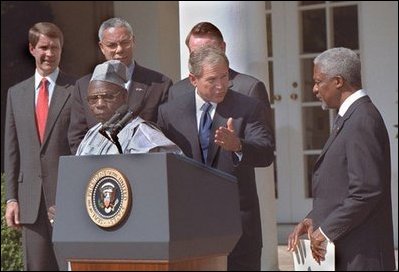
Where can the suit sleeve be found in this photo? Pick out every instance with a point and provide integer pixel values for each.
(11, 151)
(258, 90)
(258, 142)
(78, 125)
(366, 156)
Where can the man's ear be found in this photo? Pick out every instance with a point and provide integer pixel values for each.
(339, 81)
(31, 48)
(193, 79)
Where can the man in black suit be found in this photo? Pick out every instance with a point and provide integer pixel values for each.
(146, 86)
(37, 120)
(206, 33)
(230, 133)
(352, 176)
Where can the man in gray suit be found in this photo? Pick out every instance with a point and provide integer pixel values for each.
(37, 119)
(117, 42)
(206, 33)
(225, 130)
(352, 176)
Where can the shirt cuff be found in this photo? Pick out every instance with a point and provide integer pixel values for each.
(11, 200)
(324, 235)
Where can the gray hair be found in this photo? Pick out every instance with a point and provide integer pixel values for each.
(340, 61)
(114, 22)
(206, 54)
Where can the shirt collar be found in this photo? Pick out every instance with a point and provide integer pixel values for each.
(350, 100)
(199, 102)
(51, 78)
(130, 70)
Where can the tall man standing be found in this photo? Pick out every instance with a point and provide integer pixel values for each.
(117, 42)
(352, 176)
(37, 120)
(225, 130)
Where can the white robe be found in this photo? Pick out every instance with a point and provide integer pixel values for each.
(138, 136)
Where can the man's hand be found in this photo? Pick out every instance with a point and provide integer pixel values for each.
(318, 244)
(226, 138)
(12, 215)
(306, 226)
(51, 214)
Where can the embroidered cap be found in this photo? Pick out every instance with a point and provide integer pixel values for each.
(112, 71)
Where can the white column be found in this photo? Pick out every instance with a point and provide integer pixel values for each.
(243, 25)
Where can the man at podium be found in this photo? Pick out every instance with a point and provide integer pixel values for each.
(106, 94)
(127, 134)
(225, 130)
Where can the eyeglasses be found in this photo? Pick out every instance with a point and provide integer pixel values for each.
(108, 98)
(124, 44)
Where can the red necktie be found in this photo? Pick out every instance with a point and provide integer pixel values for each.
(42, 109)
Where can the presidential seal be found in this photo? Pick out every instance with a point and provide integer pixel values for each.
(108, 197)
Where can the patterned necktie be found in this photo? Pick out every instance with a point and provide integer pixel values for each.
(336, 124)
(42, 109)
(205, 128)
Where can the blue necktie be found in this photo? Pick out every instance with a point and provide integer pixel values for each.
(205, 128)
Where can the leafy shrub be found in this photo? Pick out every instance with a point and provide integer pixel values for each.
(11, 249)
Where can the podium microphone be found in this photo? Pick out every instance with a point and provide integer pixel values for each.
(131, 114)
(121, 111)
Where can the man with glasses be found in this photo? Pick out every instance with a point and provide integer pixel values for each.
(117, 42)
(106, 94)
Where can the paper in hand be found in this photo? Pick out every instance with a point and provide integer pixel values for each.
(303, 259)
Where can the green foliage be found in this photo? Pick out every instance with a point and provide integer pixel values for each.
(11, 249)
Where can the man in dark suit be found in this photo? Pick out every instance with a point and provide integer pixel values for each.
(206, 33)
(146, 86)
(352, 176)
(225, 130)
(37, 120)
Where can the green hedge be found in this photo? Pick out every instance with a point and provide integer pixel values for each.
(11, 249)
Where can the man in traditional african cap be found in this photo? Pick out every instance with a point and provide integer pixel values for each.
(106, 94)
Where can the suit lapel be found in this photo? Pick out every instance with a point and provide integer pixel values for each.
(137, 92)
(58, 100)
(220, 118)
(28, 103)
(138, 87)
(340, 126)
(218, 121)
(189, 123)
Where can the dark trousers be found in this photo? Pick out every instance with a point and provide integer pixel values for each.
(36, 241)
(244, 261)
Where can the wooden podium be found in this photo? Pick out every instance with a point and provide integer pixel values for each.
(183, 215)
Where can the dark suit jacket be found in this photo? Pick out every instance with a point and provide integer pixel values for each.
(146, 84)
(177, 119)
(241, 83)
(352, 191)
(30, 166)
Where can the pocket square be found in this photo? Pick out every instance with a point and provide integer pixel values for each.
(139, 89)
